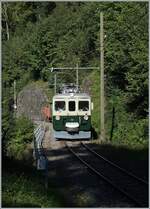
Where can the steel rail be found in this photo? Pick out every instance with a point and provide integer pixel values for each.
(104, 178)
(115, 165)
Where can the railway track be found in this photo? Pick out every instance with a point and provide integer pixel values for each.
(129, 185)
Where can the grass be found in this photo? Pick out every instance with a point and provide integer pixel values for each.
(23, 186)
(21, 191)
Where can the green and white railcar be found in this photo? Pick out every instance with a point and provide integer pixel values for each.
(72, 116)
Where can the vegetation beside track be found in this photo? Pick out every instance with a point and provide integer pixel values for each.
(19, 145)
(24, 187)
(124, 128)
(20, 191)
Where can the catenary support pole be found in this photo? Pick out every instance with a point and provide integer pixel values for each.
(77, 76)
(55, 83)
(102, 110)
(15, 97)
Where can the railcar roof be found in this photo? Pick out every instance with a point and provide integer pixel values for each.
(71, 95)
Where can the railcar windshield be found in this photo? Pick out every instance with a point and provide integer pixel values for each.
(83, 105)
(60, 106)
(72, 106)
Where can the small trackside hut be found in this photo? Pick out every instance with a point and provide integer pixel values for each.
(72, 114)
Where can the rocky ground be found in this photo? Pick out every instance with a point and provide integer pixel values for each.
(30, 102)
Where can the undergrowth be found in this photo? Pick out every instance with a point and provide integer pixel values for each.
(20, 138)
(22, 191)
(122, 128)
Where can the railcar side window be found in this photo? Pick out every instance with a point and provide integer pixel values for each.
(72, 106)
(60, 106)
(83, 105)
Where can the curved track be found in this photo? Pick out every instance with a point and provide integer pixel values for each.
(115, 165)
(129, 185)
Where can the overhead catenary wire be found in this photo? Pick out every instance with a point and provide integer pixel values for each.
(72, 68)
(77, 68)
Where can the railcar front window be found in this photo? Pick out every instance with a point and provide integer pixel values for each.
(60, 106)
(72, 106)
(83, 105)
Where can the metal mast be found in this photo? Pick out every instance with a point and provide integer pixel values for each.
(102, 109)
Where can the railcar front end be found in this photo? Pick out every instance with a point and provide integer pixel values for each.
(72, 116)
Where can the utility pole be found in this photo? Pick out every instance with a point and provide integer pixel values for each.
(102, 109)
(77, 76)
(15, 98)
(55, 83)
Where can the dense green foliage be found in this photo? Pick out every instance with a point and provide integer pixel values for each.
(39, 35)
(21, 135)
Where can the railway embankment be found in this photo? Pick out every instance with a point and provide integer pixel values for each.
(24, 186)
(79, 187)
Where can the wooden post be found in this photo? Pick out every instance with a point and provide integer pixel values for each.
(15, 97)
(77, 76)
(55, 83)
(102, 121)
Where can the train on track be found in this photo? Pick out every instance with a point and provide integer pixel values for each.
(71, 114)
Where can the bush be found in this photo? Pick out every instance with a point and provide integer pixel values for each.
(127, 128)
(21, 136)
(94, 77)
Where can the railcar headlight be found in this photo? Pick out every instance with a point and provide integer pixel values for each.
(86, 117)
(57, 117)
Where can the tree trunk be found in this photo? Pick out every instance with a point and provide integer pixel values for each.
(6, 21)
